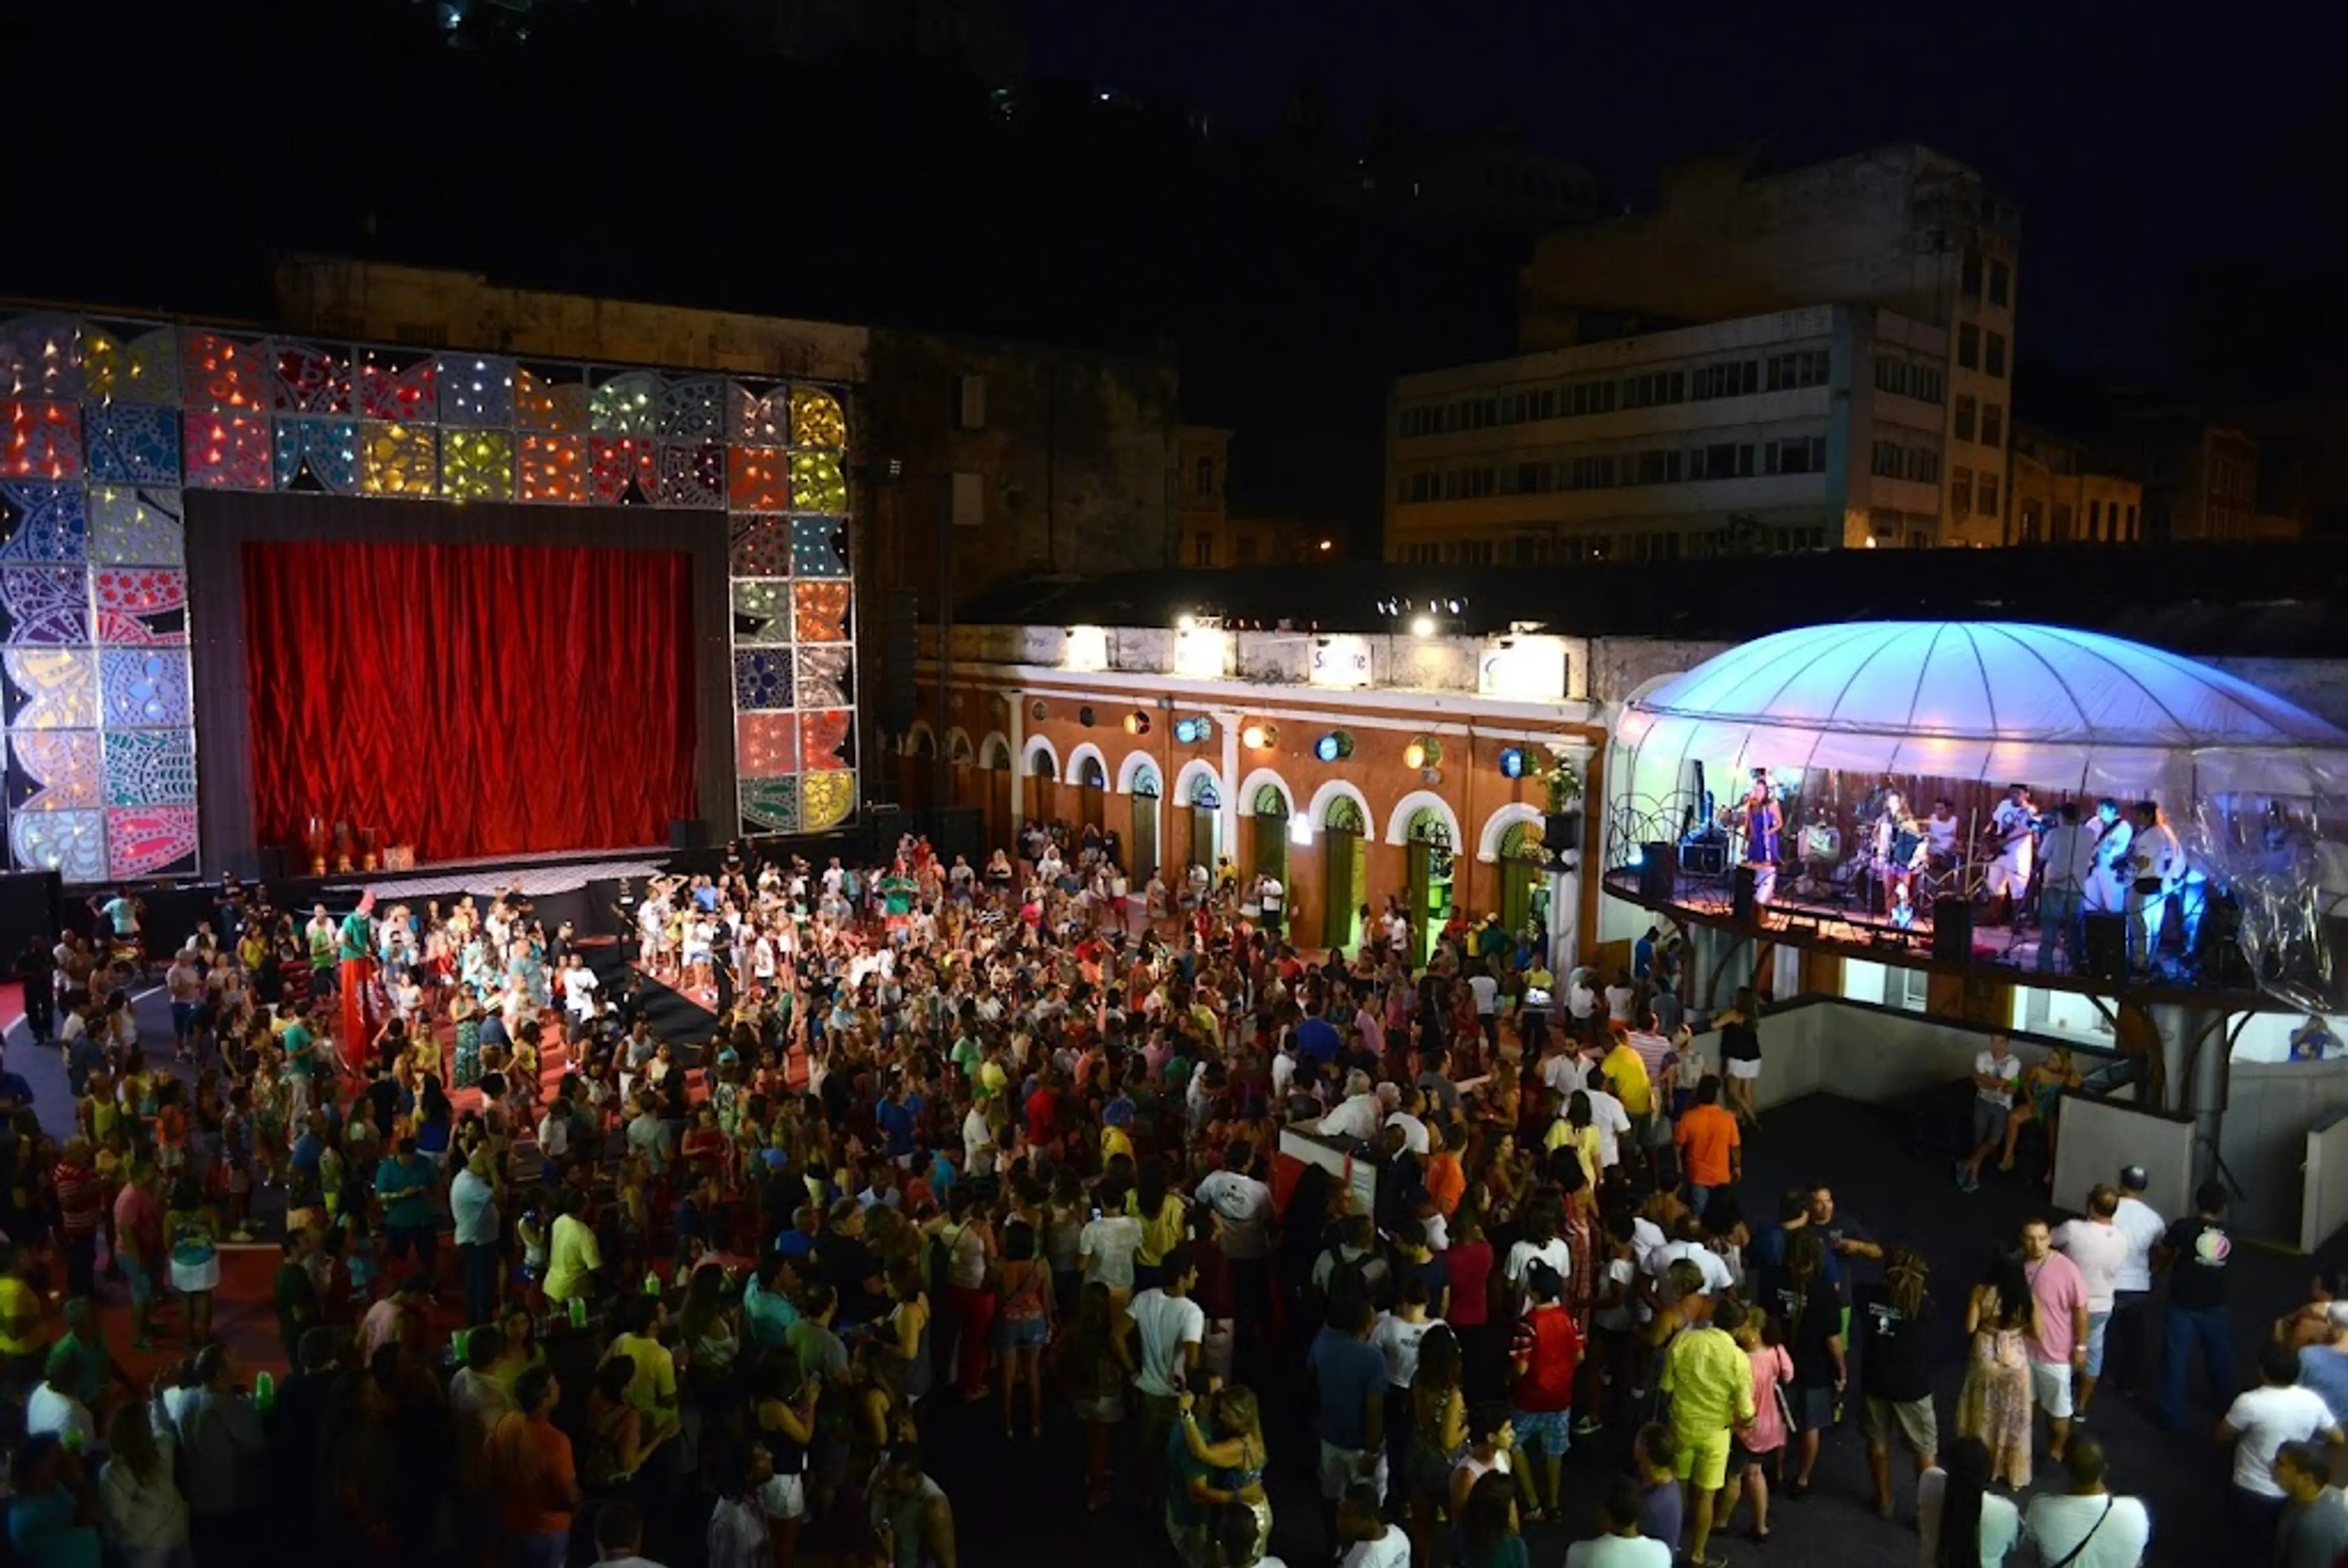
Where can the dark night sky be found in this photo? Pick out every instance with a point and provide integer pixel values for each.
(2141, 142)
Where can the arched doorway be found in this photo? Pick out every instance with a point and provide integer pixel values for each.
(1002, 785)
(1428, 840)
(1269, 831)
(920, 774)
(1205, 821)
(1043, 775)
(1092, 788)
(1345, 862)
(1524, 876)
(1146, 791)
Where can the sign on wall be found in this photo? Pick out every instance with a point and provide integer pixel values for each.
(1202, 653)
(1524, 670)
(1340, 663)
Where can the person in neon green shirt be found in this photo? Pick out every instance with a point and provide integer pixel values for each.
(1711, 1384)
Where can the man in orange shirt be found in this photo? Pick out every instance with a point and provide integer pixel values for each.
(1710, 1150)
(530, 1463)
(1446, 1181)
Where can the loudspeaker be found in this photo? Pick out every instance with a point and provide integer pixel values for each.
(883, 824)
(1659, 872)
(1744, 893)
(899, 651)
(1952, 931)
(958, 830)
(1561, 832)
(1705, 858)
(688, 833)
(2106, 942)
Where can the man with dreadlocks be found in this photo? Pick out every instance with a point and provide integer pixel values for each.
(1894, 1326)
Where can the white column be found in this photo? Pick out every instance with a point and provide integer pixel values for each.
(1017, 731)
(1564, 918)
(1227, 725)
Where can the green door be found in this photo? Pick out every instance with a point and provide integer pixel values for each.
(1524, 875)
(1344, 871)
(1430, 882)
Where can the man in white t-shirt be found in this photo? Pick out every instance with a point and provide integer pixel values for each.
(1623, 1545)
(2099, 1249)
(2085, 1526)
(1997, 1071)
(1159, 1338)
(2132, 1290)
(1243, 1210)
(1612, 1122)
(2259, 1422)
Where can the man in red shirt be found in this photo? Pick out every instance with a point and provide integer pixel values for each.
(1544, 1357)
(81, 1210)
(139, 1247)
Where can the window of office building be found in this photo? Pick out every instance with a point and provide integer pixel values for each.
(1992, 425)
(1986, 496)
(1888, 460)
(1531, 550)
(1808, 368)
(1995, 358)
(1586, 397)
(1966, 410)
(1796, 454)
(1202, 482)
(2094, 520)
(1654, 389)
(2001, 282)
(1733, 378)
(1202, 549)
(1590, 474)
(1725, 460)
(1658, 467)
(1923, 465)
(1961, 491)
(1969, 346)
(1971, 279)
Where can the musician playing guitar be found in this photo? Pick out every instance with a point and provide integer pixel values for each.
(2159, 872)
(1901, 845)
(2009, 855)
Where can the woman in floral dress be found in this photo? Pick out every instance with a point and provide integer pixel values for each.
(1994, 1403)
(467, 1014)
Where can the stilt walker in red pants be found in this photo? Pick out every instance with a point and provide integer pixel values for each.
(355, 946)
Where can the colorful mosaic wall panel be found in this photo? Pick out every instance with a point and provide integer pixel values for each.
(105, 423)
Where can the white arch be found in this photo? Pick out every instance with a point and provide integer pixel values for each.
(913, 736)
(958, 746)
(1027, 759)
(1398, 821)
(1256, 780)
(1496, 826)
(1076, 775)
(996, 744)
(1130, 770)
(1317, 814)
(1191, 770)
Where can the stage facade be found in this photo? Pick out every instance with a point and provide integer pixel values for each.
(489, 533)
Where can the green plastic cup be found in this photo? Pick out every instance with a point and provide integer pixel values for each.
(579, 1312)
(265, 1390)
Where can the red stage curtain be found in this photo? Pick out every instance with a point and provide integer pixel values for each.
(470, 700)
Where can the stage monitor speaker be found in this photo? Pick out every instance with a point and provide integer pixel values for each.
(1561, 832)
(900, 650)
(1953, 930)
(1744, 893)
(688, 833)
(2105, 945)
(1659, 872)
(1704, 856)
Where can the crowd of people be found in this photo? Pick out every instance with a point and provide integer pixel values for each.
(962, 1146)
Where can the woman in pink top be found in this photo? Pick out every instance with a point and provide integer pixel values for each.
(1765, 1439)
(1468, 1262)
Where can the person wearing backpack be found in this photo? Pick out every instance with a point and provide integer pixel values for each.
(1350, 1268)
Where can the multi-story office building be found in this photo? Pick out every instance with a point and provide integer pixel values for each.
(1903, 230)
(1802, 429)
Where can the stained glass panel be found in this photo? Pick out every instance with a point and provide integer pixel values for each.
(622, 471)
(769, 804)
(311, 380)
(830, 799)
(136, 527)
(398, 384)
(150, 767)
(762, 679)
(148, 841)
(143, 686)
(759, 414)
(823, 678)
(761, 546)
(822, 612)
(318, 455)
(758, 479)
(49, 606)
(38, 357)
(553, 467)
(477, 389)
(692, 411)
(477, 464)
(817, 484)
(762, 611)
(398, 460)
(550, 399)
(765, 743)
(626, 403)
(820, 546)
(70, 843)
(134, 363)
(42, 523)
(40, 440)
(817, 419)
(226, 451)
(223, 374)
(58, 770)
(130, 444)
(51, 688)
(692, 476)
(140, 605)
(826, 740)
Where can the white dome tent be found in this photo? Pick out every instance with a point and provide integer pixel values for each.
(1991, 701)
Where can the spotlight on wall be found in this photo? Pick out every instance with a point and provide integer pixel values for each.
(1512, 763)
(1422, 625)
(1191, 731)
(1186, 624)
(1260, 736)
(1137, 723)
(1423, 751)
(1335, 746)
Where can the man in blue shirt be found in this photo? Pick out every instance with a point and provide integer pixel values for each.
(404, 1182)
(1349, 1380)
(1317, 1038)
(899, 1117)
